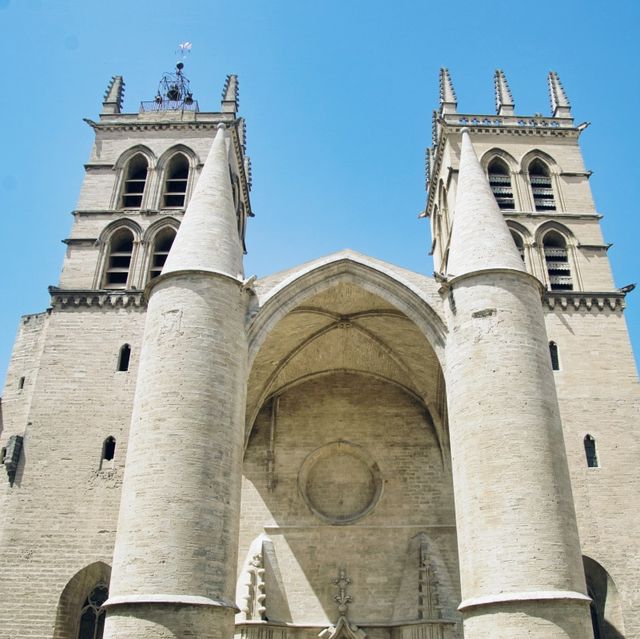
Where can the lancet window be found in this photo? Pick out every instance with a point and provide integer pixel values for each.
(91, 615)
(541, 186)
(500, 181)
(556, 259)
(119, 259)
(176, 180)
(134, 182)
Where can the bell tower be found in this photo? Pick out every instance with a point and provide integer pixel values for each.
(510, 205)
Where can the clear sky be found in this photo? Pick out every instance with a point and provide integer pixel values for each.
(338, 99)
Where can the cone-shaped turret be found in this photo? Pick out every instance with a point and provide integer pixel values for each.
(560, 105)
(113, 96)
(230, 101)
(480, 238)
(208, 236)
(504, 98)
(448, 100)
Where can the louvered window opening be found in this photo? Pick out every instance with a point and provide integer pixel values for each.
(502, 190)
(557, 261)
(133, 188)
(117, 272)
(543, 198)
(161, 250)
(175, 188)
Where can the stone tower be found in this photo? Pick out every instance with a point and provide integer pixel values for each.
(345, 449)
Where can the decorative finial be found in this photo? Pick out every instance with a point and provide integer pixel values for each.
(112, 102)
(504, 97)
(448, 99)
(342, 598)
(230, 100)
(560, 105)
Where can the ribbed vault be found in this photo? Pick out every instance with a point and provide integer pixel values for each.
(346, 328)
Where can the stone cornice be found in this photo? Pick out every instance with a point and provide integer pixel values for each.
(126, 213)
(598, 301)
(75, 298)
(80, 241)
(135, 122)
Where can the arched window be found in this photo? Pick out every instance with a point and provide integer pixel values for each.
(541, 186)
(134, 182)
(123, 358)
(161, 246)
(517, 238)
(556, 259)
(590, 451)
(119, 259)
(553, 354)
(109, 449)
(500, 181)
(175, 184)
(91, 616)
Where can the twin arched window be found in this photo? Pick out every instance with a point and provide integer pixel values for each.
(118, 265)
(174, 185)
(499, 175)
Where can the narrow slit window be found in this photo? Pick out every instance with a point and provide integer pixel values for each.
(123, 358)
(161, 247)
(175, 185)
(109, 449)
(541, 186)
(91, 623)
(134, 182)
(119, 259)
(590, 451)
(553, 354)
(556, 259)
(500, 182)
(21, 383)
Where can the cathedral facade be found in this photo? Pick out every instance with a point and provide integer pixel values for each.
(346, 449)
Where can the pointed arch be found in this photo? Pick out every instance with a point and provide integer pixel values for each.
(505, 156)
(118, 252)
(606, 610)
(499, 176)
(158, 239)
(347, 266)
(176, 168)
(74, 595)
(138, 149)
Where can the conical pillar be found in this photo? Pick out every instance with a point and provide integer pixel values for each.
(520, 562)
(174, 564)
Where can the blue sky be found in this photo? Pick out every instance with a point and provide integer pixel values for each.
(338, 99)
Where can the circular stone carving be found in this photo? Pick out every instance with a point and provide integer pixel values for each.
(340, 482)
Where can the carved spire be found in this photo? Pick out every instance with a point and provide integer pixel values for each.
(230, 98)
(207, 239)
(112, 102)
(504, 98)
(480, 238)
(448, 100)
(560, 105)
